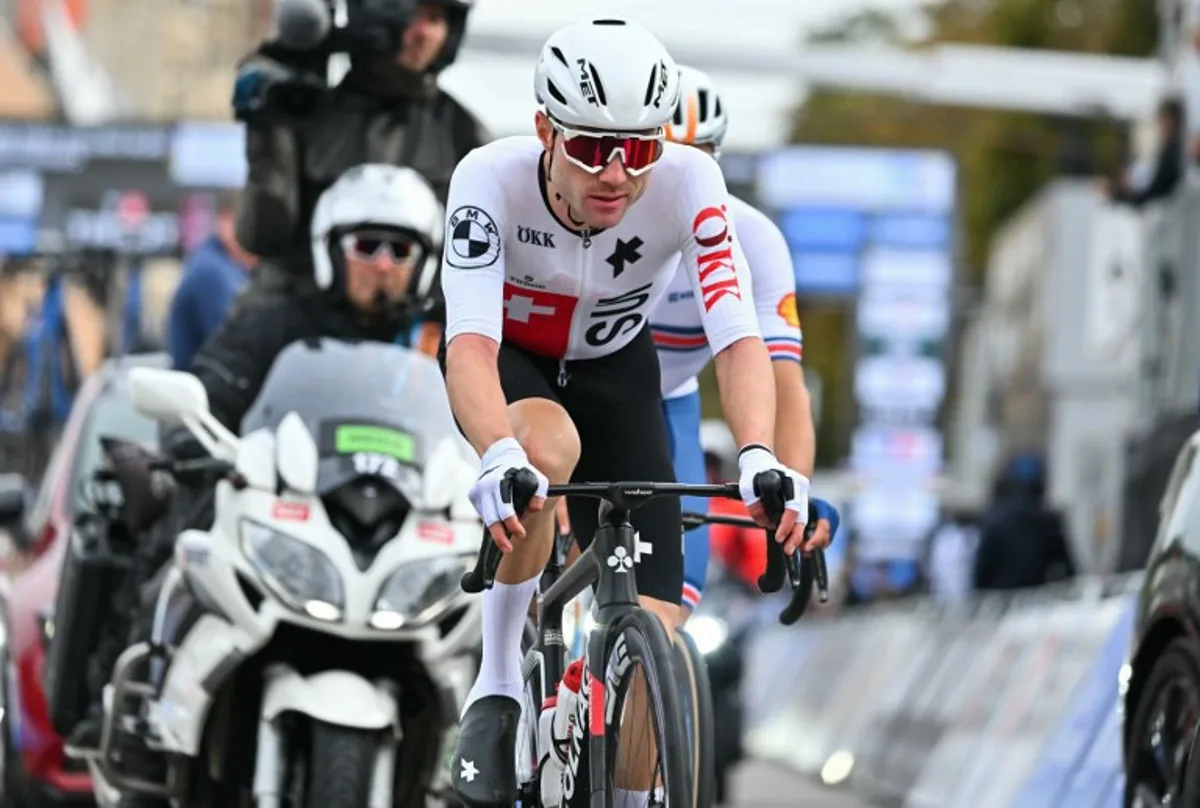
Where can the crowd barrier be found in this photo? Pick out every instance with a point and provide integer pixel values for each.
(1002, 703)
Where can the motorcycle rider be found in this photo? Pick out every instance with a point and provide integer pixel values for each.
(387, 109)
(371, 233)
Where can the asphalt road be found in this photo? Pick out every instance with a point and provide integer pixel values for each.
(767, 785)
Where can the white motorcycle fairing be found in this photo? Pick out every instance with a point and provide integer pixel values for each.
(274, 558)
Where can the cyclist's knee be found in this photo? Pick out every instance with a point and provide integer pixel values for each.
(667, 613)
(548, 436)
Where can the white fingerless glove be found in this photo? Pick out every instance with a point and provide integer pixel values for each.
(753, 460)
(501, 457)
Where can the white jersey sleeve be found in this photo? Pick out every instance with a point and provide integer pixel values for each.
(473, 256)
(774, 281)
(713, 257)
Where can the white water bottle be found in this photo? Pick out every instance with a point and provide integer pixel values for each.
(555, 726)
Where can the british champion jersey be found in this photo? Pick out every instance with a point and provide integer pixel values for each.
(683, 350)
(513, 272)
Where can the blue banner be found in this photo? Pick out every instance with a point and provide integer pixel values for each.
(1081, 758)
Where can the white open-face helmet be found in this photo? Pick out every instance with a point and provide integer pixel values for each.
(717, 439)
(606, 74)
(375, 197)
(700, 116)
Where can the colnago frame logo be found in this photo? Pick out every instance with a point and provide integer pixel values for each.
(718, 275)
(578, 731)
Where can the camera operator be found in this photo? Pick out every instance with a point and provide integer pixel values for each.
(388, 108)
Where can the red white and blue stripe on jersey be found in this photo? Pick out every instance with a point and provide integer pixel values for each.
(786, 348)
(679, 340)
(676, 339)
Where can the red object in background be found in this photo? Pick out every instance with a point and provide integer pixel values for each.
(739, 549)
(29, 22)
(133, 209)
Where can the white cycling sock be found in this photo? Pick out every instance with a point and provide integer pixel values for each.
(505, 607)
(630, 799)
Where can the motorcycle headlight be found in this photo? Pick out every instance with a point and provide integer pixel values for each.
(297, 573)
(709, 632)
(417, 592)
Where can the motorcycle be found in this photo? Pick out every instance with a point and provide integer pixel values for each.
(313, 648)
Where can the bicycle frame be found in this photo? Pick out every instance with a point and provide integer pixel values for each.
(616, 594)
(609, 563)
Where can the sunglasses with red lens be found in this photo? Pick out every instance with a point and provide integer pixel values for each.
(366, 246)
(592, 151)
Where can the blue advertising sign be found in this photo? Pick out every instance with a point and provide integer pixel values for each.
(18, 235)
(1072, 771)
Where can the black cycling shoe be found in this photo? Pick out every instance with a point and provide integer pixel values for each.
(484, 769)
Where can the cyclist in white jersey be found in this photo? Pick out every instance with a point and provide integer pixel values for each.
(557, 249)
(701, 120)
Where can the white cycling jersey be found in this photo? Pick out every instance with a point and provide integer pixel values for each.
(513, 272)
(683, 350)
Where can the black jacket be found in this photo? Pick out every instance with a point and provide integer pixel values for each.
(234, 362)
(404, 121)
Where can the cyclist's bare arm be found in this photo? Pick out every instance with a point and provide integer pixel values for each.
(473, 384)
(473, 288)
(747, 391)
(795, 439)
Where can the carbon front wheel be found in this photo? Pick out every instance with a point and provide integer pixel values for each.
(645, 735)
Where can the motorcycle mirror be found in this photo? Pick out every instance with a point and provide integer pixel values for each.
(296, 456)
(169, 396)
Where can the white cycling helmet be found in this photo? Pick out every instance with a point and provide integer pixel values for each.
(717, 439)
(700, 116)
(379, 197)
(611, 75)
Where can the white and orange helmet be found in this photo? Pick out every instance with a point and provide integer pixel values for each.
(700, 116)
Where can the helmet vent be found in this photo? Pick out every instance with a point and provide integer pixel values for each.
(650, 86)
(608, 22)
(703, 104)
(558, 96)
(679, 114)
(717, 108)
(600, 96)
(558, 54)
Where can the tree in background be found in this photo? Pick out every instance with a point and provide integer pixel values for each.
(1003, 157)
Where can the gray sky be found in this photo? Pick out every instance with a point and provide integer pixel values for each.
(499, 88)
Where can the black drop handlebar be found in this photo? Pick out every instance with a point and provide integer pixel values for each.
(772, 488)
(804, 572)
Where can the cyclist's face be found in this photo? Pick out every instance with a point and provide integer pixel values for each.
(424, 38)
(598, 200)
(378, 269)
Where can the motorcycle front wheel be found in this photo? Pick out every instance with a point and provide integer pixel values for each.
(341, 765)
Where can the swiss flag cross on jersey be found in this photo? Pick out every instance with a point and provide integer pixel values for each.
(538, 321)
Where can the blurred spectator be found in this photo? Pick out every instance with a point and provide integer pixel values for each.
(1168, 164)
(213, 275)
(1022, 542)
(951, 563)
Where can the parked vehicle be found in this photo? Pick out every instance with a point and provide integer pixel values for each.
(1162, 679)
(35, 771)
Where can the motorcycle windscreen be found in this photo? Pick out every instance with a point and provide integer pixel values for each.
(373, 409)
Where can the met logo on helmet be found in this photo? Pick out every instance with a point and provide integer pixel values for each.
(718, 276)
(587, 82)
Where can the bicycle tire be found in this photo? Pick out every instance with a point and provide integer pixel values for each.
(699, 719)
(644, 641)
